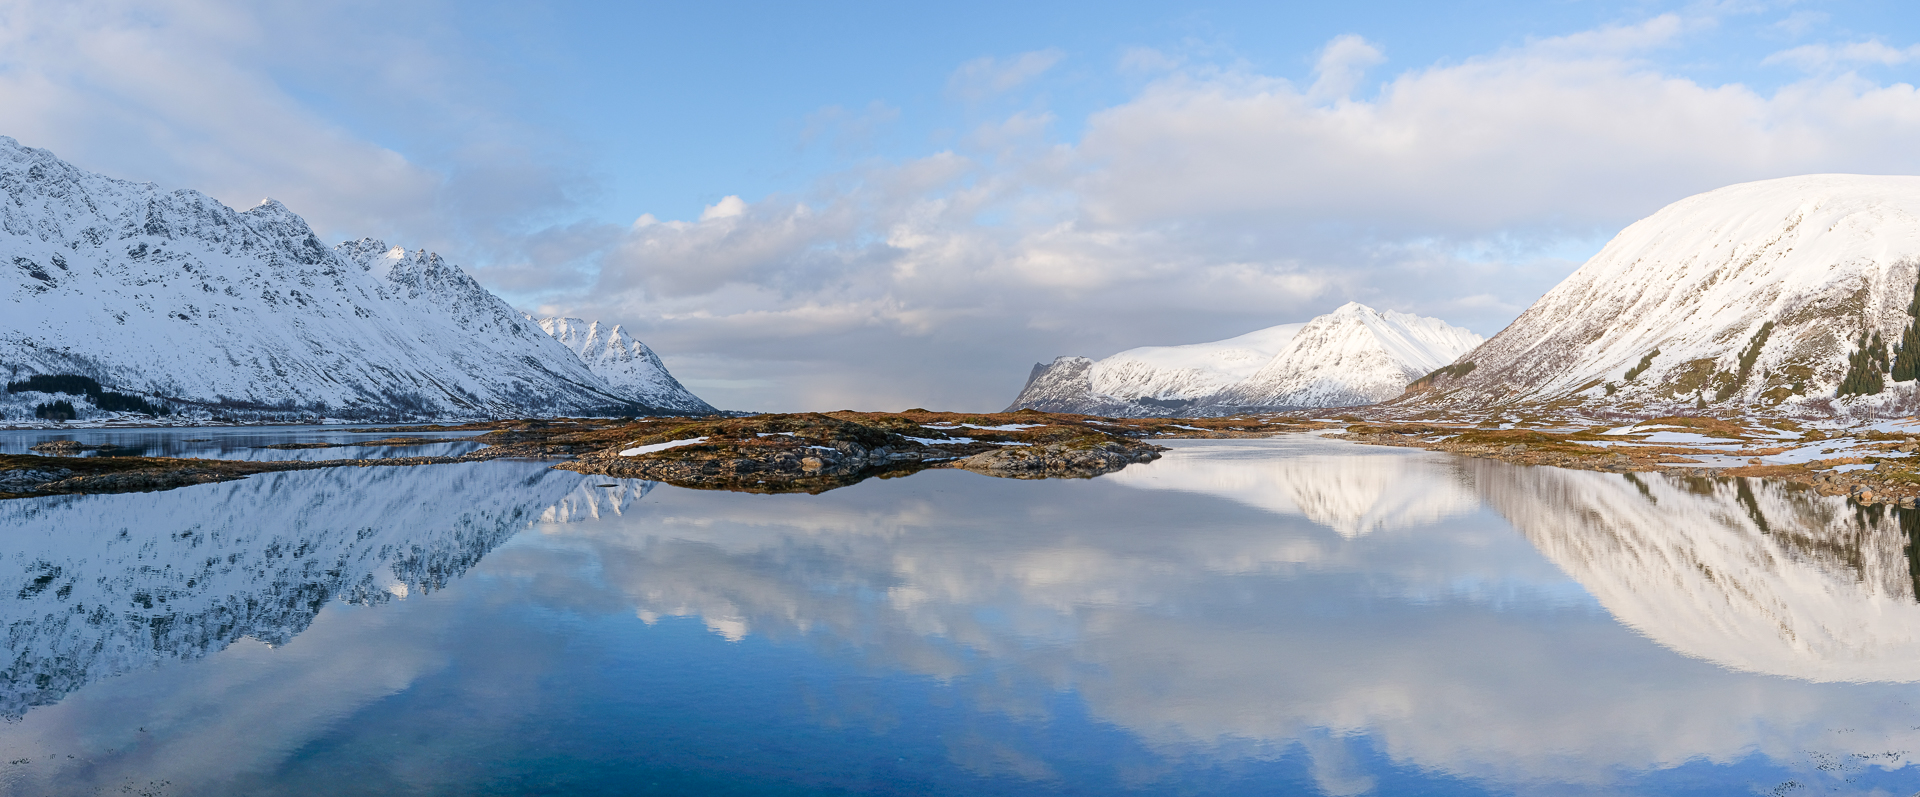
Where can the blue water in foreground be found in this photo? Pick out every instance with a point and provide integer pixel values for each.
(1289, 616)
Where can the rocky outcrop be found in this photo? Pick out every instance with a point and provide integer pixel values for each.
(813, 452)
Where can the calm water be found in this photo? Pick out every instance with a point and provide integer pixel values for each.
(239, 442)
(1242, 617)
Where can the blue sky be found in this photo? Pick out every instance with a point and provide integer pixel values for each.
(888, 205)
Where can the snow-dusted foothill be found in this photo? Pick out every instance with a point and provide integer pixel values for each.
(628, 365)
(1353, 355)
(1753, 296)
(175, 298)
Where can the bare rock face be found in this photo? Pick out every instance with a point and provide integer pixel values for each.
(1754, 295)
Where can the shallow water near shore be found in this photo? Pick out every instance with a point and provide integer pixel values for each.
(239, 442)
(1282, 616)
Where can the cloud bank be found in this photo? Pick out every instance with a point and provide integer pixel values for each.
(1218, 200)
(1212, 199)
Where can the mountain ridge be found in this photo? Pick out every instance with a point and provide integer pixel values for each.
(1756, 295)
(176, 297)
(1351, 356)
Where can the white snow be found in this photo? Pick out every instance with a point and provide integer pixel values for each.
(1353, 355)
(648, 449)
(1191, 371)
(170, 294)
(627, 364)
(1822, 257)
(931, 441)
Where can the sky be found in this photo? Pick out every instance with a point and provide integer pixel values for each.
(879, 206)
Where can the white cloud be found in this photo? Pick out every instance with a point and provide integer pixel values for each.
(1823, 57)
(1216, 201)
(231, 100)
(1342, 63)
(987, 76)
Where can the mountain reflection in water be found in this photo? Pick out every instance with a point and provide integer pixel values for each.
(101, 585)
(1301, 614)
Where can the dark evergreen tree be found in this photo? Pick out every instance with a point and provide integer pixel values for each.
(1906, 362)
(1866, 368)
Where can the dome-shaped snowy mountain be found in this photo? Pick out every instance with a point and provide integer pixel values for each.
(1353, 355)
(1755, 294)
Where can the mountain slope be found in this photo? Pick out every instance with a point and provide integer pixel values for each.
(625, 363)
(1193, 371)
(1351, 356)
(174, 295)
(1750, 295)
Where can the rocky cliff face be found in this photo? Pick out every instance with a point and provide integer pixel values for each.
(625, 363)
(1756, 296)
(1353, 355)
(172, 295)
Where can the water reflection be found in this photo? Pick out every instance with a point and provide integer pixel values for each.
(236, 442)
(101, 585)
(1753, 575)
(1242, 634)
(1366, 617)
(1350, 492)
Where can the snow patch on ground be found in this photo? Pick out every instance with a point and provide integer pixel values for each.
(648, 449)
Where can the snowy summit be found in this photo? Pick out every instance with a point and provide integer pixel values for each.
(175, 299)
(1785, 293)
(1353, 355)
(626, 363)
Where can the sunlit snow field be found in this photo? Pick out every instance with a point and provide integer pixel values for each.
(1287, 616)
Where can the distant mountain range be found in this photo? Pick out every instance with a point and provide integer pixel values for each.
(1351, 356)
(176, 299)
(1782, 294)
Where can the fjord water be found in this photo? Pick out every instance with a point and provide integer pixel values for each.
(1288, 616)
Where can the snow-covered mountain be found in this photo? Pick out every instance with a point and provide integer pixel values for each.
(1185, 373)
(627, 364)
(1353, 355)
(1751, 295)
(172, 295)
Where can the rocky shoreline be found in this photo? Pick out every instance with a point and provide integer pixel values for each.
(1876, 467)
(801, 452)
(813, 452)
